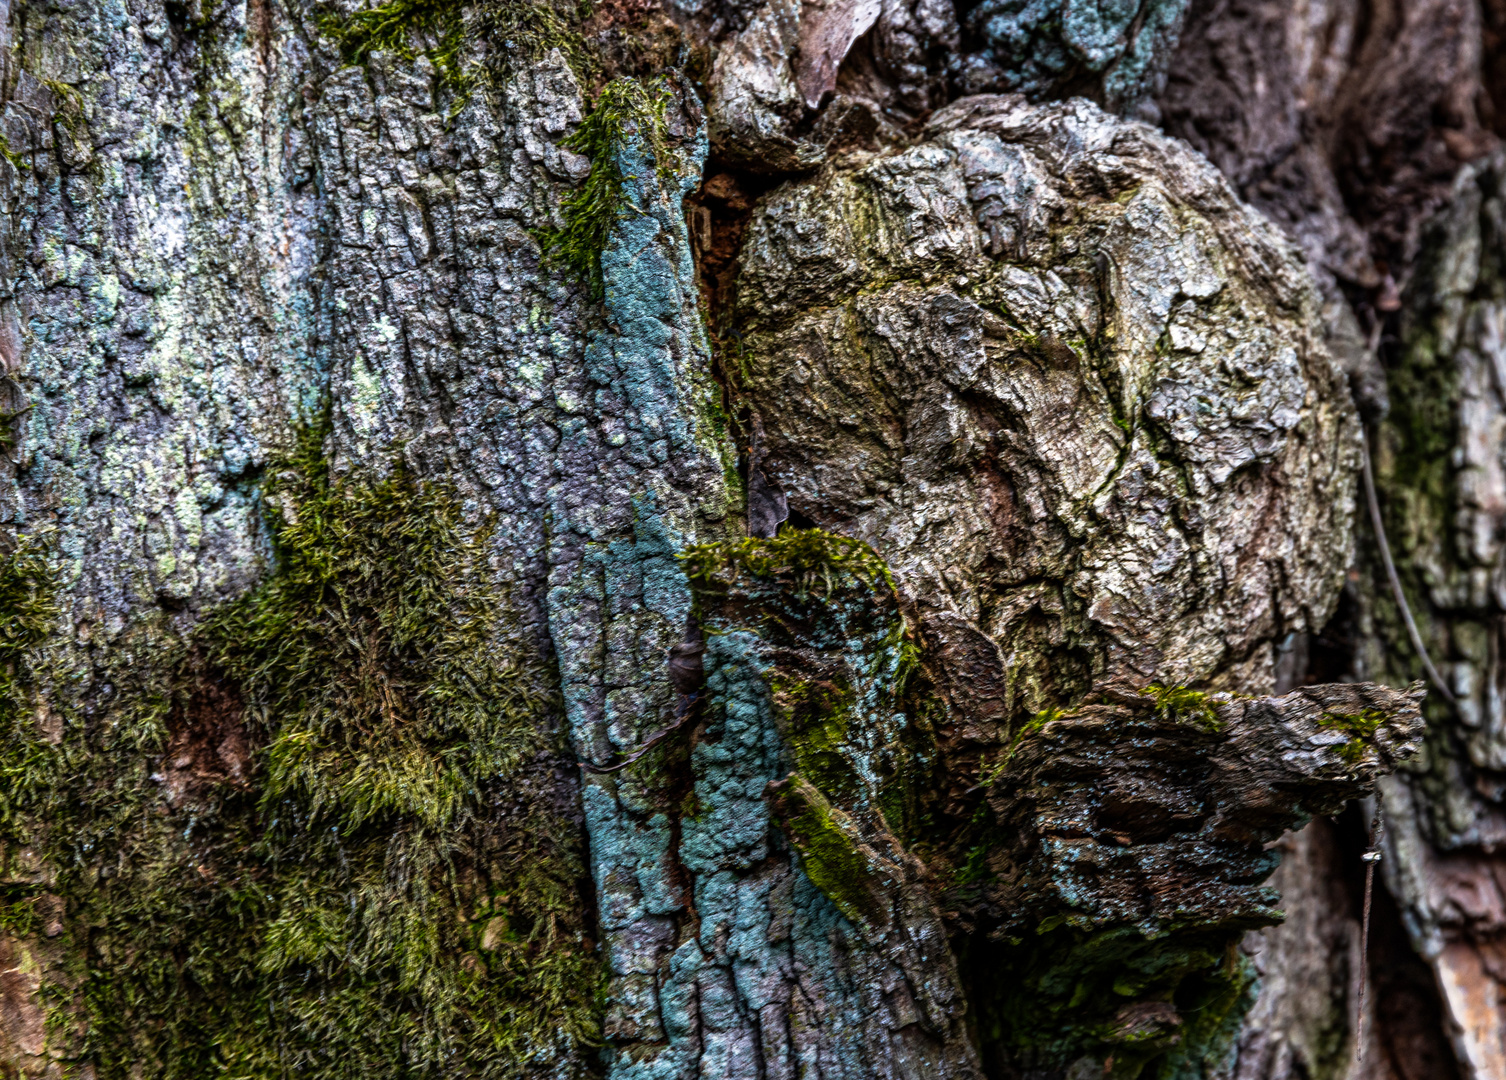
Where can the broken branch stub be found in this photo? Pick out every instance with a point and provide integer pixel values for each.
(1133, 812)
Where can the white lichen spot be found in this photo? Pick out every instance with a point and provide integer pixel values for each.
(365, 396)
(385, 329)
(532, 373)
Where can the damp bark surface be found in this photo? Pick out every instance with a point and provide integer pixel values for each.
(758, 539)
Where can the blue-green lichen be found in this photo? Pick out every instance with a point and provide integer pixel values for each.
(625, 109)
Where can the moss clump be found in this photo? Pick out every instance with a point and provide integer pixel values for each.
(70, 110)
(829, 853)
(1362, 724)
(1031, 727)
(16, 160)
(1066, 993)
(447, 32)
(1360, 727)
(625, 105)
(807, 561)
(388, 892)
(18, 917)
(851, 703)
(1188, 706)
(27, 612)
(816, 714)
(513, 31)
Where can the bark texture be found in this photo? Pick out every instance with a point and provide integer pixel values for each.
(745, 539)
(1366, 131)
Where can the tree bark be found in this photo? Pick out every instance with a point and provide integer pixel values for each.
(749, 538)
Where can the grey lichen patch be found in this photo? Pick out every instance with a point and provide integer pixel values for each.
(335, 845)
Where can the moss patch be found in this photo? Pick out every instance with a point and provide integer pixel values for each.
(830, 853)
(852, 705)
(1031, 727)
(1188, 706)
(816, 713)
(1360, 727)
(27, 612)
(625, 106)
(386, 888)
(1143, 1006)
(10, 155)
(449, 32)
(808, 561)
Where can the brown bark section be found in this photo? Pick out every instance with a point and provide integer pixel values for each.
(1349, 124)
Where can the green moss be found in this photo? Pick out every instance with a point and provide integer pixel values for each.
(18, 916)
(16, 160)
(829, 853)
(325, 916)
(27, 605)
(852, 702)
(70, 110)
(1056, 998)
(1413, 458)
(1031, 727)
(27, 611)
(1363, 724)
(625, 105)
(9, 430)
(816, 714)
(448, 31)
(1188, 706)
(808, 561)
(1360, 727)
(1213, 1004)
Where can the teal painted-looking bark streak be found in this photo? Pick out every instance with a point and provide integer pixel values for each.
(726, 994)
(618, 598)
(757, 928)
(816, 927)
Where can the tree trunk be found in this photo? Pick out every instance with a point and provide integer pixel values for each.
(751, 538)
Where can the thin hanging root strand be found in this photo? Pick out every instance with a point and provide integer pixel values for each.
(1372, 856)
(1401, 600)
(1372, 852)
